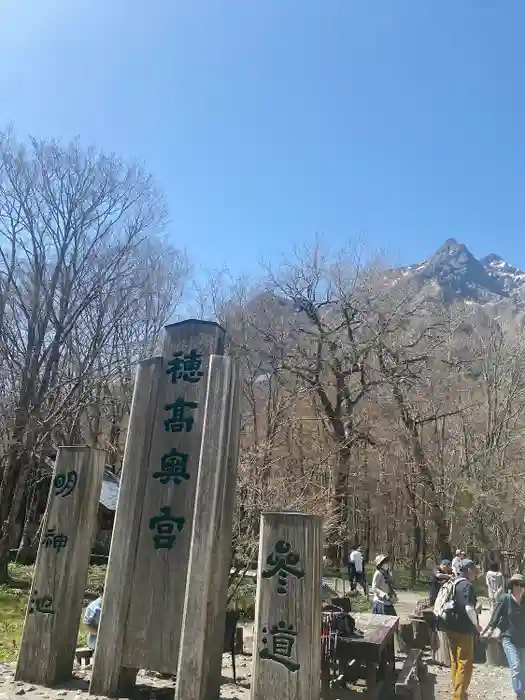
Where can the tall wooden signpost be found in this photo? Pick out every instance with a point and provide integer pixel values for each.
(53, 616)
(287, 639)
(179, 441)
(199, 669)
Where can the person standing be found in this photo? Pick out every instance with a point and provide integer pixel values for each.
(92, 620)
(382, 588)
(351, 569)
(442, 574)
(509, 618)
(495, 585)
(460, 555)
(461, 628)
(356, 564)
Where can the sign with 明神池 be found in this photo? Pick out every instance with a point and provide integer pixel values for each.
(55, 602)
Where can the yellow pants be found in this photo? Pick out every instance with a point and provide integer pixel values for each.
(461, 663)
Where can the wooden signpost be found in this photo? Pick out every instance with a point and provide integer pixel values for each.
(287, 639)
(199, 670)
(55, 605)
(108, 674)
(149, 555)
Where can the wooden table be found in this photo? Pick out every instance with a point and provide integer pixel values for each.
(370, 657)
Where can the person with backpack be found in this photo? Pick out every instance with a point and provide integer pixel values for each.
(455, 611)
(382, 588)
(509, 618)
(495, 585)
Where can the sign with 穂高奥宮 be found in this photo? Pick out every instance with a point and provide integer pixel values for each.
(287, 638)
(146, 581)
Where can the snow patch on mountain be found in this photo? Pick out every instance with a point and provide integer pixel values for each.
(458, 274)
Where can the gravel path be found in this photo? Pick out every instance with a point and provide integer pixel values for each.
(488, 684)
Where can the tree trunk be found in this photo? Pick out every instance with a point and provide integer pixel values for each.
(338, 534)
(438, 516)
(416, 534)
(416, 531)
(4, 561)
(425, 474)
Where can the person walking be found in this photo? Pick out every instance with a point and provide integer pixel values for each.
(509, 618)
(382, 588)
(461, 628)
(495, 586)
(356, 566)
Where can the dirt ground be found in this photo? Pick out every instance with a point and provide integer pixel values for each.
(490, 683)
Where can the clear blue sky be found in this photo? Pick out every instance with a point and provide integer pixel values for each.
(268, 121)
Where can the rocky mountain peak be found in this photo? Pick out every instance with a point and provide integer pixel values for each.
(453, 272)
(458, 274)
(492, 259)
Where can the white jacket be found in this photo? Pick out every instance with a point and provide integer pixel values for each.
(495, 585)
(379, 588)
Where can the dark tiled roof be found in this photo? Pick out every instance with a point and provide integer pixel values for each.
(110, 487)
(109, 493)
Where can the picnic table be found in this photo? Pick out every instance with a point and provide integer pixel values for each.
(370, 658)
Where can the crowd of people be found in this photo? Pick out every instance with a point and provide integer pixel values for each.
(452, 588)
(461, 624)
(462, 627)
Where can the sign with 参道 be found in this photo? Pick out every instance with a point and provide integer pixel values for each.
(287, 639)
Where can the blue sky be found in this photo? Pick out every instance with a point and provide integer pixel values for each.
(269, 121)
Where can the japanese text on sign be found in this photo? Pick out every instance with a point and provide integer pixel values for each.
(166, 526)
(63, 484)
(41, 604)
(185, 367)
(179, 421)
(55, 540)
(173, 467)
(283, 563)
(282, 638)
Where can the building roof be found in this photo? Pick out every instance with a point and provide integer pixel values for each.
(109, 493)
(110, 487)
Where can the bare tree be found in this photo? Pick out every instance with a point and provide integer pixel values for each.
(71, 225)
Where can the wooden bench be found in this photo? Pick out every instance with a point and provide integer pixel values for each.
(408, 684)
(83, 656)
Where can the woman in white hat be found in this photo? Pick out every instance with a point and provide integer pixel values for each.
(382, 588)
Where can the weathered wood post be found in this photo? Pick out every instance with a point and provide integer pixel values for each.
(55, 605)
(199, 670)
(287, 640)
(107, 667)
(148, 560)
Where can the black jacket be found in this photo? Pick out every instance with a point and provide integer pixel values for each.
(509, 618)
